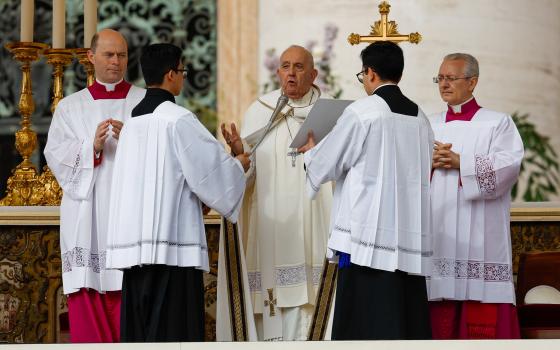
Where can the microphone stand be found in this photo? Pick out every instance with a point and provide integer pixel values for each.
(280, 104)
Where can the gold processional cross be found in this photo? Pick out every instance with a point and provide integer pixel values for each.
(271, 302)
(384, 30)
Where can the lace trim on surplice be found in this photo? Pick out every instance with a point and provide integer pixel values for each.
(156, 242)
(83, 257)
(387, 248)
(469, 269)
(485, 175)
(75, 178)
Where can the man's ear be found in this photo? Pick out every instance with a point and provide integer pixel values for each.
(371, 74)
(169, 75)
(90, 55)
(314, 74)
(472, 83)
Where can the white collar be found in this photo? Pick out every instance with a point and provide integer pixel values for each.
(109, 86)
(382, 85)
(307, 99)
(457, 108)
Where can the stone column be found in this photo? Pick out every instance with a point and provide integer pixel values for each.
(237, 58)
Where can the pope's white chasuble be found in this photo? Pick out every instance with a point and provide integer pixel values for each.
(285, 232)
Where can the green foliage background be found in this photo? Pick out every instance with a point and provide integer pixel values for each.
(540, 165)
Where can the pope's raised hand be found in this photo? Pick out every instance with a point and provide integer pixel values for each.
(233, 139)
(245, 160)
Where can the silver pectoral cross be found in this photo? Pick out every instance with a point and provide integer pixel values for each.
(293, 153)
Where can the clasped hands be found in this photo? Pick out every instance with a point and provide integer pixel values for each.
(443, 157)
(236, 144)
(102, 133)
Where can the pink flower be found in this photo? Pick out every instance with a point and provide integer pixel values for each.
(271, 60)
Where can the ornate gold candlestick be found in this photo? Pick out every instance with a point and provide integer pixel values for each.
(21, 184)
(58, 58)
(81, 54)
(51, 193)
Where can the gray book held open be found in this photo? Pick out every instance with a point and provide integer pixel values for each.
(321, 119)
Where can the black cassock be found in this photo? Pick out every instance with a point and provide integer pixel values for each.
(375, 304)
(162, 303)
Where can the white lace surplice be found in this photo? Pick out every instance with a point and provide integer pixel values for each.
(380, 211)
(167, 165)
(84, 209)
(470, 209)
